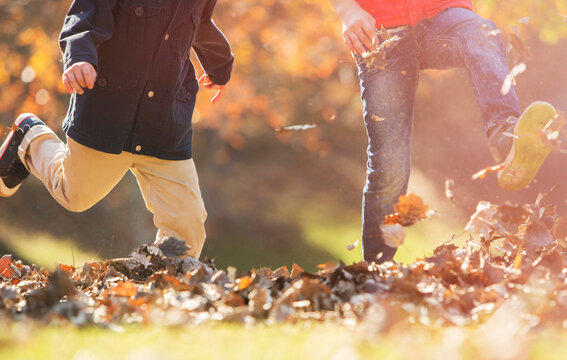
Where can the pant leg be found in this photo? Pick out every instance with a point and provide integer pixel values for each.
(388, 100)
(76, 176)
(460, 38)
(171, 192)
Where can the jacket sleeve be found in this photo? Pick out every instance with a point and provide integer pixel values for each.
(88, 24)
(212, 48)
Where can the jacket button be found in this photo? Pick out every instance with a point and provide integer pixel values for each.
(102, 82)
(138, 148)
(139, 11)
(150, 94)
(166, 37)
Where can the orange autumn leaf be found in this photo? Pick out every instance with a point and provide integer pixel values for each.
(243, 282)
(5, 262)
(328, 266)
(66, 268)
(409, 210)
(125, 288)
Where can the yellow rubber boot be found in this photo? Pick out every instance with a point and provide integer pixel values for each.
(528, 149)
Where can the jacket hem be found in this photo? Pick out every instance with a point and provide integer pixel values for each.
(96, 144)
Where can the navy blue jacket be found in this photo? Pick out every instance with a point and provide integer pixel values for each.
(144, 94)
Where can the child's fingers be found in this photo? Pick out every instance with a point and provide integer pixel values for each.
(218, 95)
(67, 84)
(74, 83)
(88, 76)
(79, 77)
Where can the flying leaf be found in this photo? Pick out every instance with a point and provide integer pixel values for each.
(449, 190)
(550, 134)
(284, 129)
(377, 57)
(353, 246)
(510, 79)
(488, 170)
(394, 234)
(410, 209)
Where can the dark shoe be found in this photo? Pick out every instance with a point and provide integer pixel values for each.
(12, 170)
(500, 139)
(529, 149)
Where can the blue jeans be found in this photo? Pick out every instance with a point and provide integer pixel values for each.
(455, 38)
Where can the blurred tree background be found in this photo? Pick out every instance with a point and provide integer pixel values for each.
(277, 198)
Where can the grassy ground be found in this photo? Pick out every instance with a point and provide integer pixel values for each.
(299, 341)
(43, 249)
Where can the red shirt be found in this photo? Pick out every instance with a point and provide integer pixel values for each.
(391, 13)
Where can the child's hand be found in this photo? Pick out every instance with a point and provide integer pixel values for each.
(205, 81)
(78, 76)
(358, 30)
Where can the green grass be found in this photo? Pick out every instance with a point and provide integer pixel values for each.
(422, 238)
(43, 249)
(26, 340)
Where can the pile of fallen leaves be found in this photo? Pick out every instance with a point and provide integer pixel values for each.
(519, 254)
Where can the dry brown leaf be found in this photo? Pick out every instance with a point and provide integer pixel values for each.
(296, 271)
(535, 233)
(482, 221)
(281, 271)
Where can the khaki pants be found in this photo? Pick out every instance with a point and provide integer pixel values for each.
(78, 177)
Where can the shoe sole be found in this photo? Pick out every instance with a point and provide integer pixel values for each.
(528, 150)
(4, 190)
